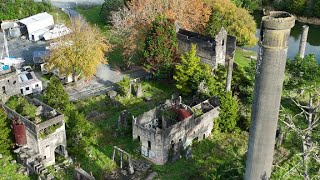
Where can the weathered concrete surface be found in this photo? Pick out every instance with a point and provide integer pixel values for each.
(303, 41)
(275, 32)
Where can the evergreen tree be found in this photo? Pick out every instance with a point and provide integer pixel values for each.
(191, 72)
(5, 141)
(55, 94)
(229, 112)
(161, 47)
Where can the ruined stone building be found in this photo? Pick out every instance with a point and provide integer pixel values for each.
(40, 138)
(212, 51)
(170, 128)
(9, 82)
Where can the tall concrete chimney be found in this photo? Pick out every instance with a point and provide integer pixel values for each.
(303, 41)
(275, 32)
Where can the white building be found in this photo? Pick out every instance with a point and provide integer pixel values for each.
(37, 25)
(29, 83)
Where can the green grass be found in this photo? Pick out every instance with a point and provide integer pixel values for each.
(59, 16)
(92, 15)
(9, 171)
(99, 161)
(242, 57)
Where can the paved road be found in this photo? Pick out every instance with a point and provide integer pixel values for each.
(101, 83)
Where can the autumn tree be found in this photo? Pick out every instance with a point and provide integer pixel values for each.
(5, 142)
(237, 21)
(161, 47)
(190, 74)
(133, 20)
(80, 52)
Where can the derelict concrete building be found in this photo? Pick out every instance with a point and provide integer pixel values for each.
(212, 51)
(9, 82)
(170, 128)
(275, 32)
(44, 136)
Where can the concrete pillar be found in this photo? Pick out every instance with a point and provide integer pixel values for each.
(114, 154)
(274, 36)
(229, 74)
(121, 159)
(303, 41)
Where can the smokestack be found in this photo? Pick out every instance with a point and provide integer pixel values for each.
(275, 32)
(303, 41)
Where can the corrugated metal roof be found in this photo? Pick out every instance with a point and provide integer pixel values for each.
(35, 18)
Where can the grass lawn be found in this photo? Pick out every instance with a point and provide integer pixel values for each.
(103, 113)
(59, 16)
(242, 57)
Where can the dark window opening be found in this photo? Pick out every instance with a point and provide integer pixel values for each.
(14, 82)
(8, 80)
(27, 88)
(21, 90)
(3, 89)
(204, 136)
(223, 42)
(37, 85)
(149, 145)
(44, 157)
(138, 138)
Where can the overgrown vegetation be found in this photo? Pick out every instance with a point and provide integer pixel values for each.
(5, 140)
(19, 9)
(224, 12)
(22, 106)
(161, 47)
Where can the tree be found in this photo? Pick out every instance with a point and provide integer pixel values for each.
(109, 6)
(124, 86)
(305, 126)
(5, 142)
(81, 133)
(55, 94)
(133, 20)
(19, 9)
(229, 112)
(190, 14)
(296, 6)
(226, 14)
(80, 52)
(221, 156)
(161, 47)
(302, 74)
(190, 73)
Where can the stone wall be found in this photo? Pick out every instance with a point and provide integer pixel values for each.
(211, 51)
(44, 145)
(9, 84)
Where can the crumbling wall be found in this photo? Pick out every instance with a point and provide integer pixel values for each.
(9, 85)
(43, 145)
(156, 143)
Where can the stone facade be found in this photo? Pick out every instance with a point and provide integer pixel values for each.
(9, 84)
(44, 139)
(170, 128)
(212, 51)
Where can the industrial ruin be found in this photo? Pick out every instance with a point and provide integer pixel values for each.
(274, 36)
(38, 139)
(212, 51)
(170, 128)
